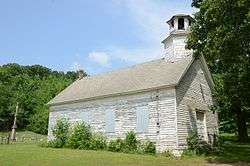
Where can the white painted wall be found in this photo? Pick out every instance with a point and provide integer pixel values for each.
(175, 47)
(190, 98)
(125, 107)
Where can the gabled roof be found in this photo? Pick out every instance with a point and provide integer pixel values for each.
(142, 77)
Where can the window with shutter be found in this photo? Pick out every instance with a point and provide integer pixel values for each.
(142, 119)
(110, 121)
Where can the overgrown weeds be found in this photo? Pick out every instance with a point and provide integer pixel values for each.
(81, 137)
(196, 145)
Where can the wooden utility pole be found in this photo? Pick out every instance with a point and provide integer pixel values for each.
(13, 131)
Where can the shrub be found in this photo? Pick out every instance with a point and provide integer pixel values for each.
(131, 145)
(149, 148)
(146, 147)
(196, 145)
(168, 154)
(56, 143)
(80, 137)
(116, 145)
(60, 132)
(98, 142)
(130, 142)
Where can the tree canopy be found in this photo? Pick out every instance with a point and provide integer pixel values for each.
(31, 86)
(221, 33)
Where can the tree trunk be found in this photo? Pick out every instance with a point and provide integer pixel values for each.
(240, 121)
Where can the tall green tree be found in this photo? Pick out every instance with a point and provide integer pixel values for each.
(221, 33)
(31, 86)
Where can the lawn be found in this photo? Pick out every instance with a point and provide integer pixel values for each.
(31, 154)
(23, 154)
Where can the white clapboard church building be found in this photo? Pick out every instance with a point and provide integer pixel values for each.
(160, 100)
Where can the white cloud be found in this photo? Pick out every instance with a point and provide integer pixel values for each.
(150, 18)
(134, 55)
(150, 21)
(76, 66)
(101, 58)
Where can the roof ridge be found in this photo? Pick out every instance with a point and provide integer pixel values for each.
(132, 66)
(124, 68)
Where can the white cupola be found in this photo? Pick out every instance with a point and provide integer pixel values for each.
(175, 43)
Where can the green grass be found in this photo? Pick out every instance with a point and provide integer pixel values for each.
(31, 154)
(232, 151)
(23, 154)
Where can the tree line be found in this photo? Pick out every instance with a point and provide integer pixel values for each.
(32, 87)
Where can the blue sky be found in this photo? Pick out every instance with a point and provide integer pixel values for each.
(94, 35)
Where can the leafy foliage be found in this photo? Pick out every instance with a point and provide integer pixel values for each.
(116, 145)
(149, 147)
(131, 142)
(221, 34)
(98, 142)
(131, 145)
(197, 145)
(60, 132)
(80, 137)
(31, 86)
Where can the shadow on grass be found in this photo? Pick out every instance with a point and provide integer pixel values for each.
(232, 152)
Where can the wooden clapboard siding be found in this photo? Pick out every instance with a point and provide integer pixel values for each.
(124, 109)
(194, 92)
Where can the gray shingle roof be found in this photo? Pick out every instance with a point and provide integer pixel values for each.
(149, 75)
